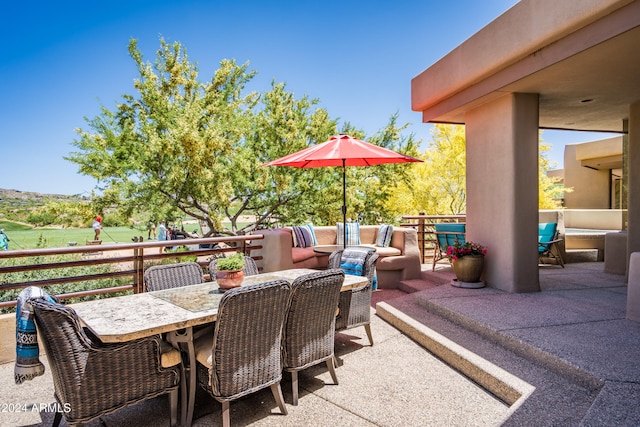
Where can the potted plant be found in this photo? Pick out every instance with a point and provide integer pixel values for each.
(467, 260)
(229, 272)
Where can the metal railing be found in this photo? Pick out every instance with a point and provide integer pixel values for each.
(425, 226)
(127, 260)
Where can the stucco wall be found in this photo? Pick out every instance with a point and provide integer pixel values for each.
(502, 141)
(591, 188)
(597, 219)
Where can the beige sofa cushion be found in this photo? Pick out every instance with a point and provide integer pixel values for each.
(368, 235)
(326, 235)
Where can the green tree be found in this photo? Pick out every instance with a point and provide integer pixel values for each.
(550, 189)
(316, 194)
(61, 212)
(164, 151)
(182, 147)
(278, 194)
(438, 185)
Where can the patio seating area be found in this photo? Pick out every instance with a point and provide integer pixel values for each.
(400, 260)
(573, 359)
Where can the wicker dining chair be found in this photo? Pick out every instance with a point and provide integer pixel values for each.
(245, 355)
(92, 379)
(250, 267)
(309, 333)
(355, 306)
(169, 276)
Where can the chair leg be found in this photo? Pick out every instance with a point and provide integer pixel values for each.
(294, 387)
(556, 254)
(367, 328)
(226, 414)
(173, 405)
(277, 394)
(433, 267)
(183, 395)
(332, 370)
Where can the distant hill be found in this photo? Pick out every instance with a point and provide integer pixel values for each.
(16, 205)
(26, 196)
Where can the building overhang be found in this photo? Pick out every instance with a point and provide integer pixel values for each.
(604, 154)
(580, 57)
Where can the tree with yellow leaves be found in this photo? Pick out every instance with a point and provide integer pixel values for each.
(438, 186)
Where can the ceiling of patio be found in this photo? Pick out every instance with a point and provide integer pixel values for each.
(590, 89)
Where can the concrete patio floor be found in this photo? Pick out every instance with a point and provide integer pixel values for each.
(443, 356)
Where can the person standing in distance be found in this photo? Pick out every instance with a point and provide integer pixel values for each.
(4, 241)
(97, 226)
(162, 233)
(152, 229)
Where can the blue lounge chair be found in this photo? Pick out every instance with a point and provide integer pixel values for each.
(447, 234)
(548, 243)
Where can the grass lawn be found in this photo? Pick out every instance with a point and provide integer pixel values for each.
(25, 237)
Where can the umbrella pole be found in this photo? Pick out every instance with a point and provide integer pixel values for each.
(344, 204)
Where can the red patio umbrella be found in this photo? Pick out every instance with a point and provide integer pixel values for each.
(342, 150)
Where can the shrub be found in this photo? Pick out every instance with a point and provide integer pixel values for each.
(234, 262)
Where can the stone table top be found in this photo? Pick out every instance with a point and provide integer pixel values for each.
(130, 317)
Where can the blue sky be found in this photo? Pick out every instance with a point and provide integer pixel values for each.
(63, 60)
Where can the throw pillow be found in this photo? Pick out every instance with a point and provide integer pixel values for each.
(304, 236)
(301, 237)
(385, 233)
(314, 241)
(353, 234)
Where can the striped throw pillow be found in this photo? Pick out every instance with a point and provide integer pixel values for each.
(304, 236)
(385, 233)
(301, 237)
(353, 234)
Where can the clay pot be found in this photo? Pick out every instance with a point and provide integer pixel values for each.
(469, 268)
(229, 279)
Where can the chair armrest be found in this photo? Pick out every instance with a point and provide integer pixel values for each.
(550, 242)
(125, 348)
(334, 259)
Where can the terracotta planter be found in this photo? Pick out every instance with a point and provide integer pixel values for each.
(229, 279)
(469, 268)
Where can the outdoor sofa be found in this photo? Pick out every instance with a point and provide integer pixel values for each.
(399, 261)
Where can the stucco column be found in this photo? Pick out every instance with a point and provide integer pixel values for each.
(633, 213)
(502, 189)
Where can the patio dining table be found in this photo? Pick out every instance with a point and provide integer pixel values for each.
(173, 312)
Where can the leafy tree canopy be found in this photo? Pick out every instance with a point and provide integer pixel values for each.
(185, 147)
